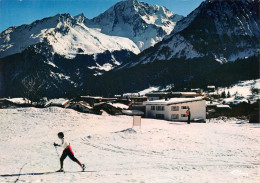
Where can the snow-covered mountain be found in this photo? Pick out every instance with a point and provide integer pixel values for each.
(62, 51)
(65, 52)
(58, 52)
(226, 30)
(65, 34)
(144, 24)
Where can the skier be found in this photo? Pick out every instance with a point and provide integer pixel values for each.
(188, 114)
(67, 152)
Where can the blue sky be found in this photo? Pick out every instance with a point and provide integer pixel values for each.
(18, 12)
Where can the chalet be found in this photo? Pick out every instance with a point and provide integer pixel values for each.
(92, 100)
(175, 109)
(81, 106)
(110, 108)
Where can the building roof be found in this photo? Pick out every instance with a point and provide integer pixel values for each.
(223, 106)
(18, 100)
(133, 112)
(119, 105)
(173, 101)
(91, 97)
(171, 93)
(185, 93)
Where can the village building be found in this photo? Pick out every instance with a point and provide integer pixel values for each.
(175, 109)
(92, 100)
(60, 102)
(110, 108)
(211, 88)
(197, 90)
(81, 106)
(5, 103)
(166, 95)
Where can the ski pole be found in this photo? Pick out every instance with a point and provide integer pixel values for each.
(57, 152)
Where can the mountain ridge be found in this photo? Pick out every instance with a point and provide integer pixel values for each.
(67, 36)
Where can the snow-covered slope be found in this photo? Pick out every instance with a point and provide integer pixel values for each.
(161, 151)
(143, 23)
(226, 30)
(243, 88)
(65, 34)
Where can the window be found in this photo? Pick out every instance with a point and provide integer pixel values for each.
(152, 108)
(159, 116)
(184, 107)
(175, 116)
(183, 115)
(175, 108)
(160, 108)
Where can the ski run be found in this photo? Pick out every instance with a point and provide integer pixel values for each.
(161, 151)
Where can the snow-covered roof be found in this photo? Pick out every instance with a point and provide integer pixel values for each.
(133, 112)
(119, 105)
(18, 100)
(131, 94)
(59, 101)
(92, 97)
(223, 106)
(228, 100)
(171, 93)
(185, 93)
(85, 104)
(172, 101)
(158, 93)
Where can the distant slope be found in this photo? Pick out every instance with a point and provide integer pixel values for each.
(191, 73)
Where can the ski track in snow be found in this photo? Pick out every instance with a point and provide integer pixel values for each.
(162, 151)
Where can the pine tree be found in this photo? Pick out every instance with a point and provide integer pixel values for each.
(228, 95)
(223, 94)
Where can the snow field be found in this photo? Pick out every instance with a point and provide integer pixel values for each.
(162, 151)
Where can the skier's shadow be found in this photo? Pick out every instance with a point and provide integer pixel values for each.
(39, 173)
(20, 174)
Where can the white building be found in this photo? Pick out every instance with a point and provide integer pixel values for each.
(175, 109)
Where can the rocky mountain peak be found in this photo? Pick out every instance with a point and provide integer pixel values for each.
(80, 18)
(142, 23)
